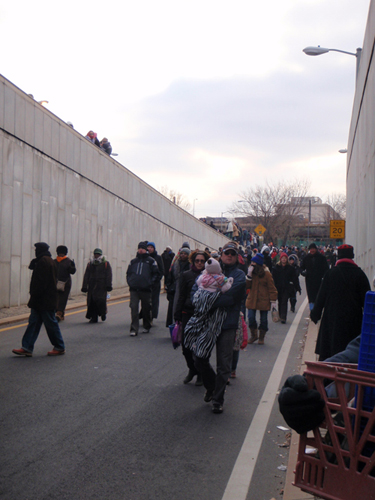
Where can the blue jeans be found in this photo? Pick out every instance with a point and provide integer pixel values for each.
(263, 325)
(36, 320)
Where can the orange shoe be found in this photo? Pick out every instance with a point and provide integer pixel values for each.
(22, 352)
(55, 352)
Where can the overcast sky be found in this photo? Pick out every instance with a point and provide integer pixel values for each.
(206, 97)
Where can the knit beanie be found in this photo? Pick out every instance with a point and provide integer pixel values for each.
(258, 259)
(62, 249)
(345, 252)
(142, 244)
(312, 245)
(283, 254)
(151, 244)
(41, 248)
(185, 249)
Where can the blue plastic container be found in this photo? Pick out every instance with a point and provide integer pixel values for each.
(366, 360)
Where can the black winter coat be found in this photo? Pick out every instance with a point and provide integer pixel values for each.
(285, 279)
(167, 261)
(142, 273)
(314, 267)
(97, 281)
(159, 262)
(184, 303)
(43, 292)
(341, 299)
(65, 268)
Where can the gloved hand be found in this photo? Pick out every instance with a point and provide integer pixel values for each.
(250, 271)
(109, 289)
(84, 290)
(301, 407)
(273, 305)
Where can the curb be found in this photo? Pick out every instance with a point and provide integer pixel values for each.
(78, 305)
(292, 492)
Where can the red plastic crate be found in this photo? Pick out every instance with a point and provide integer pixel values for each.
(343, 466)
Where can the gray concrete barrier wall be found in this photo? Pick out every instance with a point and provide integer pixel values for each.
(56, 186)
(360, 230)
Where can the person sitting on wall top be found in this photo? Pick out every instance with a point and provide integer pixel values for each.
(105, 145)
(93, 137)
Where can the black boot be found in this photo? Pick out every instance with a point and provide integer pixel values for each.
(189, 377)
(199, 381)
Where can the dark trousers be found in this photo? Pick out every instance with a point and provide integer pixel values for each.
(145, 299)
(293, 299)
(235, 358)
(217, 382)
(283, 304)
(188, 354)
(155, 296)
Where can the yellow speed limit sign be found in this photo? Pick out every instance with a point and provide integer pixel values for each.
(337, 229)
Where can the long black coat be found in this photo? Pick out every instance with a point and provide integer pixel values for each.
(97, 281)
(341, 298)
(65, 268)
(286, 279)
(43, 292)
(314, 267)
(184, 303)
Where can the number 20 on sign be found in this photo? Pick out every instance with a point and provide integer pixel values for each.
(337, 229)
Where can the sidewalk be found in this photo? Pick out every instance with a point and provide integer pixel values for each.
(290, 491)
(21, 313)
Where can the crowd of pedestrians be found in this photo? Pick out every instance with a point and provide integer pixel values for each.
(209, 293)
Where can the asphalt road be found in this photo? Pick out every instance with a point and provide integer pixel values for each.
(111, 419)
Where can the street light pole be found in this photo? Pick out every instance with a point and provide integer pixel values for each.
(317, 51)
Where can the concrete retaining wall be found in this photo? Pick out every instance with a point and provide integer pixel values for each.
(360, 228)
(56, 186)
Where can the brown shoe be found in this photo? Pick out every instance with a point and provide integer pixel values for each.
(22, 352)
(55, 352)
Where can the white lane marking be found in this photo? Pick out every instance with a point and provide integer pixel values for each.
(239, 482)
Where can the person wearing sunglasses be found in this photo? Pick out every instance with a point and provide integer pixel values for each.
(215, 382)
(185, 309)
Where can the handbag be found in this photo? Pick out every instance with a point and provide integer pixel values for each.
(60, 286)
(177, 334)
(275, 315)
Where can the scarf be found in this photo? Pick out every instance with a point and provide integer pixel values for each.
(348, 261)
(59, 259)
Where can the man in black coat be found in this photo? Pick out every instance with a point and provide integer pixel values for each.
(43, 300)
(141, 276)
(313, 268)
(155, 295)
(340, 299)
(167, 256)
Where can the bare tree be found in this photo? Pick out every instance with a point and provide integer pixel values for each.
(277, 207)
(177, 198)
(338, 202)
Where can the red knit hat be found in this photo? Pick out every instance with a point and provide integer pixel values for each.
(283, 254)
(345, 252)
